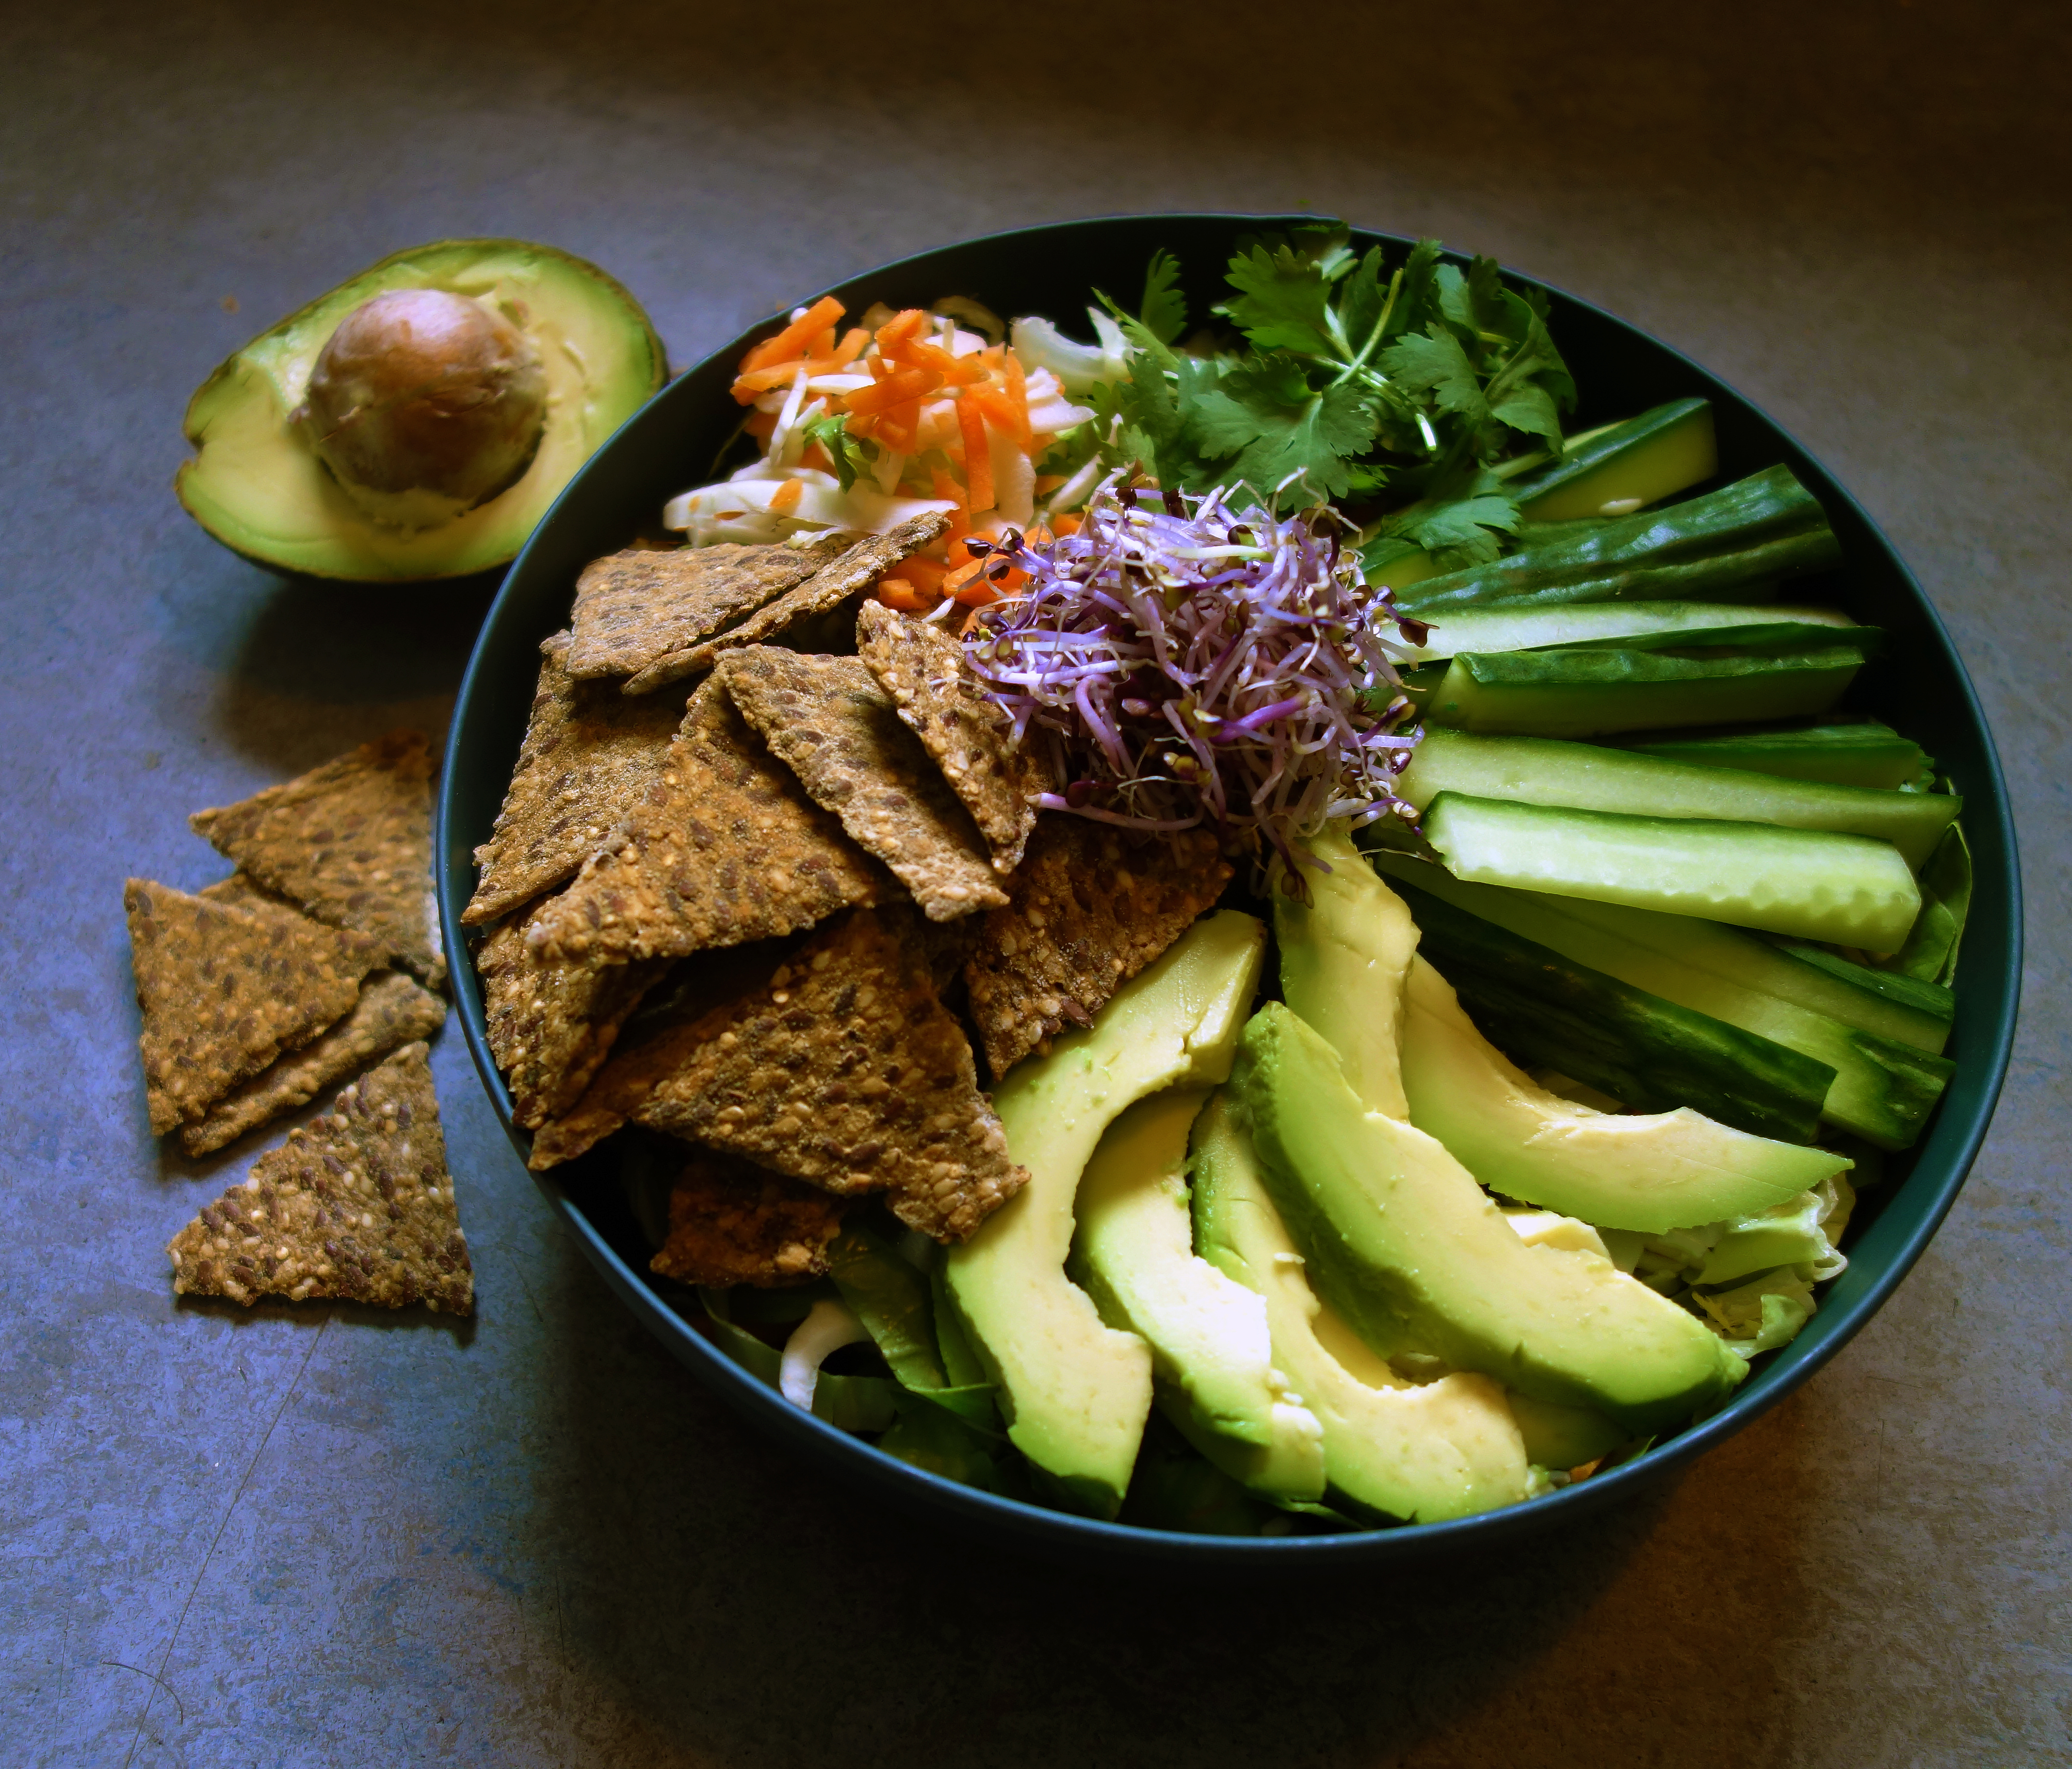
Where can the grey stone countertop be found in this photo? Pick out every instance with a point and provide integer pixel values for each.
(310, 1536)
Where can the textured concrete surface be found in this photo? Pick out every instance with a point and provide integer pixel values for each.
(316, 1537)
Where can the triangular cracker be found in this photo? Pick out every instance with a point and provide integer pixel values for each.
(732, 1222)
(224, 990)
(357, 1207)
(349, 843)
(727, 849)
(968, 733)
(653, 1044)
(392, 1010)
(589, 753)
(643, 604)
(839, 731)
(847, 578)
(844, 1070)
(1090, 908)
(551, 1021)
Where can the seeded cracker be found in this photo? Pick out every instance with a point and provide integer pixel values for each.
(636, 606)
(695, 1005)
(357, 1207)
(392, 1010)
(845, 1071)
(827, 717)
(943, 703)
(589, 753)
(732, 1222)
(727, 849)
(224, 990)
(1089, 909)
(846, 579)
(349, 842)
(552, 1021)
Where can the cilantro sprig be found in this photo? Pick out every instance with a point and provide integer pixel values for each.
(1393, 391)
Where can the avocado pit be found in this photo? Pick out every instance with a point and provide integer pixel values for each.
(423, 405)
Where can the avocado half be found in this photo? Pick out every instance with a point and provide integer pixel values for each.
(256, 485)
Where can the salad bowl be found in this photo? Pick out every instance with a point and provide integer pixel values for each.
(1918, 685)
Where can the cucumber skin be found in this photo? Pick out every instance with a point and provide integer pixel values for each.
(1883, 1090)
(1563, 489)
(1765, 527)
(1642, 626)
(1866, 754)
(1588, 777)
(1591, 693)
(1549, 1012)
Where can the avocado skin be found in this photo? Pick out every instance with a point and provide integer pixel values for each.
(1404, 1244)
(255, 390)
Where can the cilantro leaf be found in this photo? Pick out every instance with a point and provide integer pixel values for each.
(1433, 362)
(853, 456)
(1164, 313)
(1284, 302)
(1267, 417)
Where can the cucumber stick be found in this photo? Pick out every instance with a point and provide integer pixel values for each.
(1589, 693)
(1757, 530)
(1848, 889)
(1860, 753)
(1884, 1088)
(1614, 471)
(1639, 626)
(1549, 1012)
(1587, 777)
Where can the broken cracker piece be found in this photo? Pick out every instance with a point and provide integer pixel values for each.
(969, 734)
(639, 605)
(727, 849)
(349, 842)
(844, 1070)
(845, 579)
(551, 1021)
(1090, 909)
(224, 989)
(357, 1207)
(840, 732)
(589, 753)
(732, 1222)
(392, 1010)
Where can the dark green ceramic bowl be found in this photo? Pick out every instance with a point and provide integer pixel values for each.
(1918, 686)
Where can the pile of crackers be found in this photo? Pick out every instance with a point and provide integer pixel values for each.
(770, 878)
(318, 956)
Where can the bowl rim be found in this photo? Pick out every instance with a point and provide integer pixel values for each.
(1989, 827)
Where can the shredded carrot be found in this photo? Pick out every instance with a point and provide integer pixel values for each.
(1017, 394)
(794, 337)
(816, 455)
(1065, 525)
(1048, 482)
(958, 371)
(895, 435)
(853, 345)
(761, 425)
(900, 327)
(978, 457)
(823, 343)
(785, 499)
(964, 578)
(895, 389)
(999, 410)
(925, 575)
(761, 381)
(897, 593)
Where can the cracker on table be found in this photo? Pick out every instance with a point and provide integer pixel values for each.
(653, 1043)
(969, 734)
(845, 579)
(726, 848)
(732, 1222)
(224, 989)
(1091, 907)
(589, 753)
(844, 1070)
(639, 605)
(841, 735)
(358, 1206)
(392, 1010)
(349, 842)
(552, 1020)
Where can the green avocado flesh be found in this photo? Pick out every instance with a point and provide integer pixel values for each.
(1393, 1450)
(1652, 1173)
(1404, 1243)
(1075, 1392)
(1212, 1352)
(256, 485)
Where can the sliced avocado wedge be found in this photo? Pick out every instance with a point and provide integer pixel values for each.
(1075, 1392)
(1394, 1452)
(1212, 1353)
(1404, 1243)
(257, 485)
